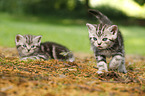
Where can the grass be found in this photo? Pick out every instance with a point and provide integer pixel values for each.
(57, 78)
(134, 39)
(71, 33)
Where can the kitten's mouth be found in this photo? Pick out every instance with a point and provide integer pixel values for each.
(100, 47)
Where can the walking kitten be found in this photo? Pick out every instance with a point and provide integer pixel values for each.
(30, 47)
(106, 41)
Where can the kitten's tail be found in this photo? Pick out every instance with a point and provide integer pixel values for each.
(102, 18)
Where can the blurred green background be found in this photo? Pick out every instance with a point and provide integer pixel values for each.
(63, 21)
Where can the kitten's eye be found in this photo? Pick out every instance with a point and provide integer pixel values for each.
(24, 46)
(94, 38)
(32, 46)
(90, 38)
(104, 39)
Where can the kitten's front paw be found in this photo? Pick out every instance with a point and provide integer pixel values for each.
(100, 72)
(30, 58)
(102, 66)
(25, 58)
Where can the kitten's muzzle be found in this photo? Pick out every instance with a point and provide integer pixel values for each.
(99, 47)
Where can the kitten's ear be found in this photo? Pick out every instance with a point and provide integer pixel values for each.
(114, 29)
(18, 38)
(37, 39)
(90, 27)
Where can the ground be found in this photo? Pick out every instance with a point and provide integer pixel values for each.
(57, 78)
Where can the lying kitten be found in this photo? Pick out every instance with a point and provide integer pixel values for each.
(30, 47)
(106, 41)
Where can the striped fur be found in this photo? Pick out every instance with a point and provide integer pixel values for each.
(106, 41)
(30, 47)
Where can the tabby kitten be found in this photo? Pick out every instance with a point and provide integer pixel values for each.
(30, 47)
(106, 41)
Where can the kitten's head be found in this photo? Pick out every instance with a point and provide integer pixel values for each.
(102, 36)
(27, 44)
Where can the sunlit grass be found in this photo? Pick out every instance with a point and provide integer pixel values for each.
(129, 7)
(74, 36)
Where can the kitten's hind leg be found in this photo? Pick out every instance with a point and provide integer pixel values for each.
(117, 62)
(101, 64)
